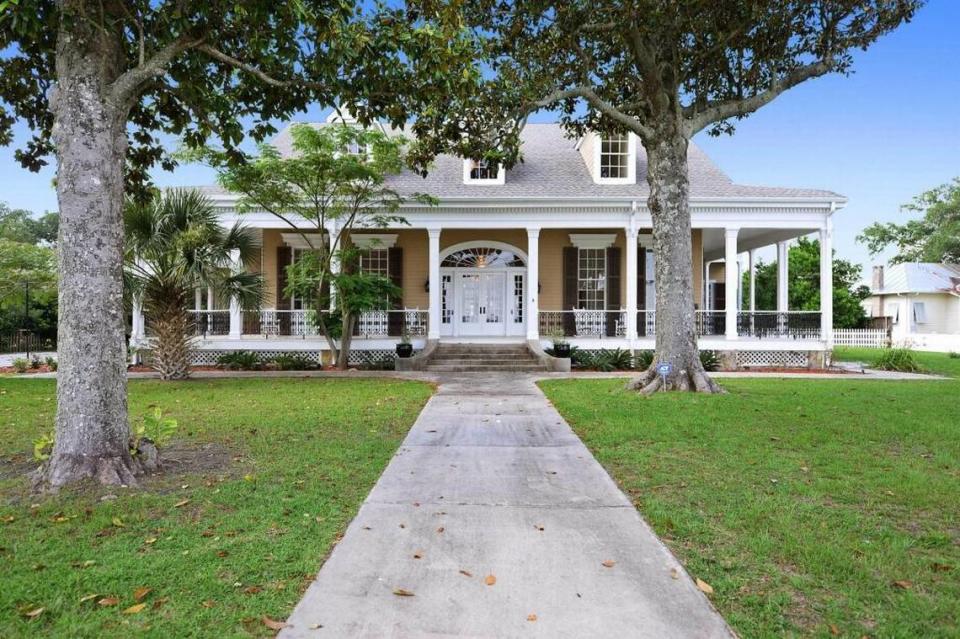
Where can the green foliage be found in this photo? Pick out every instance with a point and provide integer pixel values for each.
(35, 362)
(43, 446)
(898, 359)
(24, 266)
(934, 237)
(156, 428)
(20, 364)
(603, 360)
(953, 355)
(804, 285)
(643, 360)
(18, 225)
(710, 360)
(51, 363)
(239, 360)
(292, 362)
(391, 62)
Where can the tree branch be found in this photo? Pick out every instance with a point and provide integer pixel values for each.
(594, 100)
(129, 82)
(254, 71)
(698, 117)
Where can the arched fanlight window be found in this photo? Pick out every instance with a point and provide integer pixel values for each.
(482, 257)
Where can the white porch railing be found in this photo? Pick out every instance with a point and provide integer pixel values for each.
(583, 323)
(779, 324)
(304, 323)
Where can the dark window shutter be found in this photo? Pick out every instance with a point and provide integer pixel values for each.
(570, 266)
(641, 289)
(395, 269)
(613, 289)
(284, 258)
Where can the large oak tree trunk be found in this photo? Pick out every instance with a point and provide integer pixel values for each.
(92, 434)
(672, 246)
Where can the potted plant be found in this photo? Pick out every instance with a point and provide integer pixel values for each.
(404, 348)
(561, 347)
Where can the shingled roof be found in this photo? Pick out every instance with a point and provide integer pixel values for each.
(552, 167)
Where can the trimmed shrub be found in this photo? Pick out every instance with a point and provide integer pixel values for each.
(51, 363)
(239, 361)
(292, 362)
(643, 360)
(20, 365)
(710, 360)
(901, 360)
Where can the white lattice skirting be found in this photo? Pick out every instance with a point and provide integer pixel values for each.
(778, 359)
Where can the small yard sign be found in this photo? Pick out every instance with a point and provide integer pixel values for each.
(664, 369)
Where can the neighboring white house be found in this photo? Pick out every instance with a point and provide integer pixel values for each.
(921, 304)
(558, 245)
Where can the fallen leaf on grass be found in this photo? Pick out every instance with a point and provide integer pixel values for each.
(87, 598)
(704, 586)
(400, 592)
(209, 603)
(118, 522)
(181, 503)
(132, 610)
(531, 617)
(938, 567)
(108, 601)
(609, 563)
(140, 593)
(490, 580)
(151, 540)
(834, 630)
(903, 584)
(252, 590)
(33, 614)
(273, 624)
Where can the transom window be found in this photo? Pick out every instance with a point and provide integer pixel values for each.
(375, 262)
(482, 257)
(615, 157)
(483, 170)
(592, 279)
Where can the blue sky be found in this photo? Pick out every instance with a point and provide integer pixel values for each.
(880, 136)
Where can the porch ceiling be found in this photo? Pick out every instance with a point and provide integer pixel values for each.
(747, 239)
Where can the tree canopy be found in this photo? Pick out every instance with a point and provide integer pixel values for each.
(804, 285)
(934, 237)
(20, 225)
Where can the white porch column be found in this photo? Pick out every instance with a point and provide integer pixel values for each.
(632, 239)
(751, 265)
(731, 271)
(333, 231)
(236, 318)
(533, 284)
(136, 321)
(783, 268)
(197, 299)
(826, 282)
(433, 251)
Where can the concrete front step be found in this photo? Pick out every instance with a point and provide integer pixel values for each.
(481, 368)
(465, 360)
(498, 352)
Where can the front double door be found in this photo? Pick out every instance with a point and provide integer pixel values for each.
(487, 303)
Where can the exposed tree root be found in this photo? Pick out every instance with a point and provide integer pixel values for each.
(63, 469)
(693, 379)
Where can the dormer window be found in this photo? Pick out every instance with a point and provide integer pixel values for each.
(482, 172)
(614, 156)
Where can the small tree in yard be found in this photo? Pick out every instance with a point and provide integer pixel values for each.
(325, 188)
(804, 285)
(175, 245)
(934, 237)
(665, 70)
(96, 81)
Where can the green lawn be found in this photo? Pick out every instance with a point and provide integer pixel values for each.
(812, 507)
(297, 458)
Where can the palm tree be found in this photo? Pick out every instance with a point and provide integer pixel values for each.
(175, 245)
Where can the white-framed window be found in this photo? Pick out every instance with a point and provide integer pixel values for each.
(920, 312)
(375, 261)
(592, 279)
(614, 157)
(482, 172)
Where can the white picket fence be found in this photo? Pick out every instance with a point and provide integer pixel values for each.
(867, 337)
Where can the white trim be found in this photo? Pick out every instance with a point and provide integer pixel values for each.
(593, 240)
(645, 240)
(468, 166)
(450, 250)
(302, 241)
(374, 240)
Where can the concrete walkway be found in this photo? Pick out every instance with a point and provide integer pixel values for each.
(491, 481)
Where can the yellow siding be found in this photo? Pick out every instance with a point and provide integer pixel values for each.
(271, 240)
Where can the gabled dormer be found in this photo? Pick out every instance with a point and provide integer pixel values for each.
(610, 158)
(483, 172)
